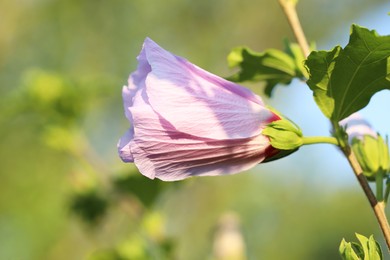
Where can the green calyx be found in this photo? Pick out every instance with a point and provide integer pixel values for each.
(284, 135)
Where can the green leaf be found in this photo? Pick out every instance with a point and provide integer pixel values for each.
(294, 50)
(321, 65)
(90, 205)
(344, 80)
(272, 66)
(146, 190)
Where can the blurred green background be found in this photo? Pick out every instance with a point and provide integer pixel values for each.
(65, 194)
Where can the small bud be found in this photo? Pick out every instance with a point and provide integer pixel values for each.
(372, 154)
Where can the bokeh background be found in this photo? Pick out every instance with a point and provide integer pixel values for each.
(65, 194)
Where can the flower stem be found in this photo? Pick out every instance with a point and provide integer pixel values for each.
(319, 139)
(379, 185)
(290, 11)
(387, 191)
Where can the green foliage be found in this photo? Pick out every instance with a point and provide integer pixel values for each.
(321, 65)
(148, 242)
(107, 254)
(272, 66)
(344, 80)
(89, 205)
(135, 247)
(144, 189)
(368, 249)
(55, 98)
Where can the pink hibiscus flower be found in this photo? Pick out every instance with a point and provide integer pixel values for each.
(188, 122)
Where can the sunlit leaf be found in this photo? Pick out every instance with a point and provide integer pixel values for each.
(321, 65)
(273, 67)
(344, 80)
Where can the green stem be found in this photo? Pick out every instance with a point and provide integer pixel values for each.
(319, 139)
(379, 185)
(387, 191)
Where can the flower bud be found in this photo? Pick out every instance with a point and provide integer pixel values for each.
(372, 154)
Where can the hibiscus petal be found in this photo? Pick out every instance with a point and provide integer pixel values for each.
(160, 151)
(124, 146)
(199, 103)
(357, 127)
(136, 82)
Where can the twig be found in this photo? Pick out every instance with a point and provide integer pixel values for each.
(289, 10)
(378, 207)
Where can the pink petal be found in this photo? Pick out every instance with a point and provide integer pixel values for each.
(124, 146)
(162, 152)
(135, 83)
(357, 127)
(199, 103)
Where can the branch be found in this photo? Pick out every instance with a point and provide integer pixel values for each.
(290, 11)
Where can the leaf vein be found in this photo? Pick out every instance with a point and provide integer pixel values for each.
(363, 91)
(342, 100)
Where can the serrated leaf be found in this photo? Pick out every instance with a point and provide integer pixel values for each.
(321, 65)
(353, 76)
(273, 67)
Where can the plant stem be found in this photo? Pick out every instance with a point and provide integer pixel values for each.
(319, 139)
(387, 191)
(289, 9)
(379, 185)
(378, 207)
